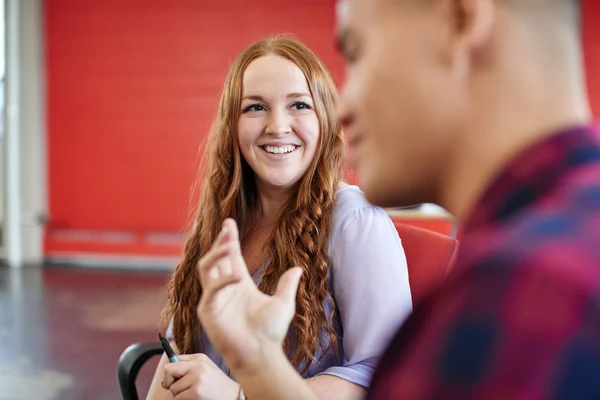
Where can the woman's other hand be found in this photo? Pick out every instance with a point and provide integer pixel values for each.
(196, 377)
(245, 325)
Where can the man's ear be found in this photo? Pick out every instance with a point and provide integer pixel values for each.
(471, 24)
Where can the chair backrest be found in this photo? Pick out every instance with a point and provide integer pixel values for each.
(429, 256)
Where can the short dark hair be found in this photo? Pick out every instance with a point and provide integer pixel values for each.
(573, 11)
(567, 9)
(576, 4)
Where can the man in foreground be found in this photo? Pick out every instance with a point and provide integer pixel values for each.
(479, 106)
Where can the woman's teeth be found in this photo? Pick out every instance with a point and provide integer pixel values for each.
(280, 149)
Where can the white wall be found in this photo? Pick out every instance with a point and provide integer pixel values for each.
(33, 135)
(31, 131)
(2, 191)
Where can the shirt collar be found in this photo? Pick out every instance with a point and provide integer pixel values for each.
(532, 173)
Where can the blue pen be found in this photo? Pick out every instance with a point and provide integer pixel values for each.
(167, 348)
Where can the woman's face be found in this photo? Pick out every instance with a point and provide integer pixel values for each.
(278, 129)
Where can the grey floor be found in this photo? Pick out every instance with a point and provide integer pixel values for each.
(62, 330)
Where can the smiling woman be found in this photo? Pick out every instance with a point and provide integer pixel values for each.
(276, 156)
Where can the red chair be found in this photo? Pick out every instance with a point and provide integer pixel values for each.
(429, 256)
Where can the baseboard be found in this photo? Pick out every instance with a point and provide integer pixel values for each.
(113, 262)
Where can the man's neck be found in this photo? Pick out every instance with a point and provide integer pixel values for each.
(514, 110)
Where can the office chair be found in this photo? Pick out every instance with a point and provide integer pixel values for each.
(429, 257)
(129, 365)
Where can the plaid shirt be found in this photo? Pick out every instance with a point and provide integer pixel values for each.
(519, 316)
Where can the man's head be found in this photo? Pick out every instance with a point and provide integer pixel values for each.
(419, 77)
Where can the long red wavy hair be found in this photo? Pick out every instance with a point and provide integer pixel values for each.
(301, 234)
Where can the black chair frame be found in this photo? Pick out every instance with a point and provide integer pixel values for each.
(129, 365)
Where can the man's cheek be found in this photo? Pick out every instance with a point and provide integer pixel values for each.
(367, 85)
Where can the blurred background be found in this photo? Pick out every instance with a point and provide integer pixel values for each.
(106, 104)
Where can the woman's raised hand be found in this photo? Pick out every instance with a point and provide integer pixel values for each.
(242, 323)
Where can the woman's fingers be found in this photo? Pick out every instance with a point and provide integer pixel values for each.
(217, 280)
(222, 237)
(287, 286)
(223, 265)
(225, 254)
(183, 384)
(211, 259)
(231, 229)
(237, 261)
(174, 371)
(229, 232)
(213, 281)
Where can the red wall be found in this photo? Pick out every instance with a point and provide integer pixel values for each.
(591, 40)
(132, 90)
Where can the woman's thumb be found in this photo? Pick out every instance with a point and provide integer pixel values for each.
(288, 284)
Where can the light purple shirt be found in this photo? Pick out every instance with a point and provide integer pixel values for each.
(369, 283)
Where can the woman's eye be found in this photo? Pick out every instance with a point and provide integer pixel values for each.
(254, 108)
(301, 106)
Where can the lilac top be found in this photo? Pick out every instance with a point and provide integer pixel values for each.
(369, 284)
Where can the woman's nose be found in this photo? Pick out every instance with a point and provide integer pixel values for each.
(278, 123)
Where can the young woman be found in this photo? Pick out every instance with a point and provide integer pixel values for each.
(275, 167)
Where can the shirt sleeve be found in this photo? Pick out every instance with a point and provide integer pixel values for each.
(498, 332)
(371, 289)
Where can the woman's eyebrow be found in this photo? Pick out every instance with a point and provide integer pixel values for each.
(300, 94)
(294, 95)
(253, 97)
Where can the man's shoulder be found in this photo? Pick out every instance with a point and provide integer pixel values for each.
(566, 216)
(559, 234)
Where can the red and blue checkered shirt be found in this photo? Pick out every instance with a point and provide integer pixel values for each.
(519, 315)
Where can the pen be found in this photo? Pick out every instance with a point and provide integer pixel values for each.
(167, 348)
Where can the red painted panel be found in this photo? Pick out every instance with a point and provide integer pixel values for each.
(132, 90)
